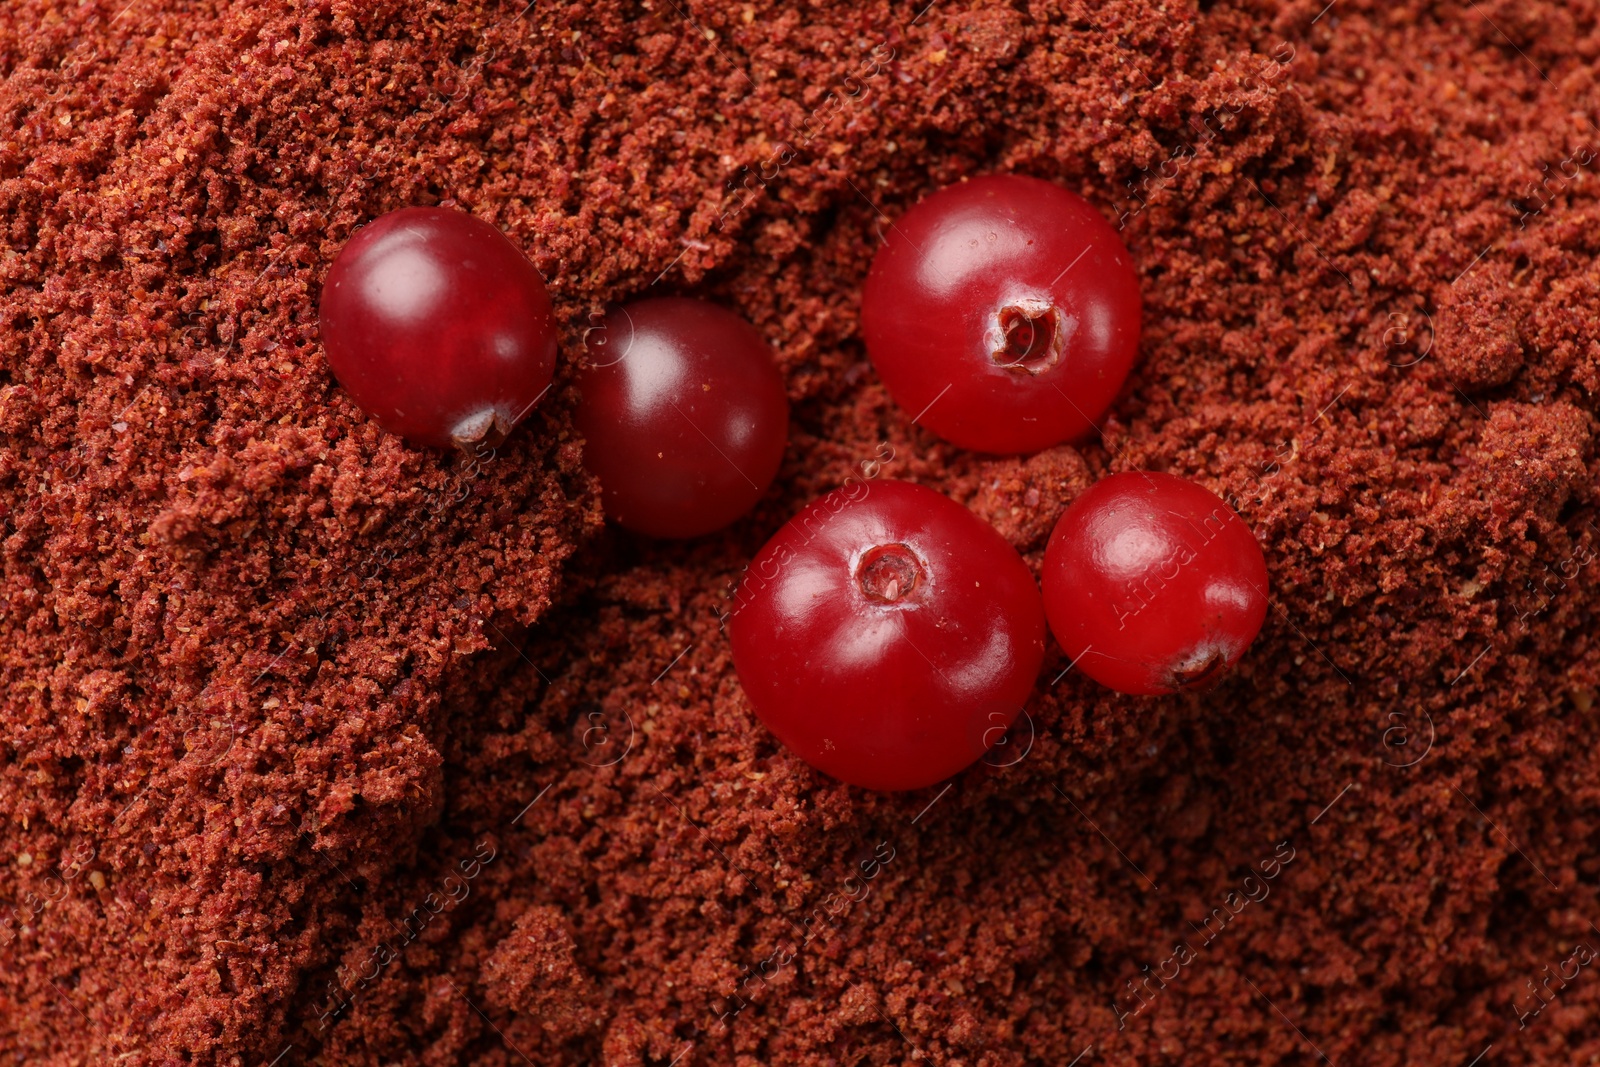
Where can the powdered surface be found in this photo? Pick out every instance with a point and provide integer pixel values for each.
(279, 691)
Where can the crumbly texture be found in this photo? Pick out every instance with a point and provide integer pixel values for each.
(320, 747)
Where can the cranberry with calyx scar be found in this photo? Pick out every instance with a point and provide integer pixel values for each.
(1003, 312)
(439, 327)
(887, 635)
(1153, 583)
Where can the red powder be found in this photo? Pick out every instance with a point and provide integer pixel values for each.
(317, 748)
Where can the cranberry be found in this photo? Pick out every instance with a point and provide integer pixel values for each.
(1005, 311)
(1153, 583)
(684, 415)
(439, 327)
(887, 636)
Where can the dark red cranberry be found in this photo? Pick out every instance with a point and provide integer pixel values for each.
(887, 636)
(1153, 584)
(684, 416)
(439, 327)
(1003, 314)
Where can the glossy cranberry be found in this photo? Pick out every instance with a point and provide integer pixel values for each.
(887, 636)
(684, 416)
(1153, 583)
(438, 326)
(1003, 313)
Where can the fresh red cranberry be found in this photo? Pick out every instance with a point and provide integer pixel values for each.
(1003, 312)
(439, 327)
(684, 416)
(887, 635)
(1153, 584)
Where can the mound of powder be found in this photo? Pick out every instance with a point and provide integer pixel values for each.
(319, 748)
